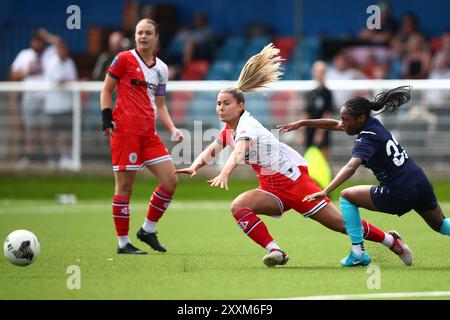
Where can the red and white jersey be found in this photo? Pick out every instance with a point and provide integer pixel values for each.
(137, 85)
(272, 160)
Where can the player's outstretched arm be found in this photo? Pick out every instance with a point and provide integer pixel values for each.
(343, 175)
(327, 124)
(236, 157)
(203, 158)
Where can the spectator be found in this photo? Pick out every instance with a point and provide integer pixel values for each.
(116, 43)
(417, 59)
(192, 42)
(28, 66)
(388, 27)
(441, 70)
(342, 70)
(410, 26)
(58, 105)
(444, 49)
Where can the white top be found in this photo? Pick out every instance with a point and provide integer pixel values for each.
(28, 58)
(57, 70)
(267, 155)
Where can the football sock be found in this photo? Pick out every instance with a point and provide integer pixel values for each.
(253, 227)
(149, 226)
(159, 202)
(445, 227)
(374, 234)
(388, 240)
(352, 222)
(358, 249)
(273, 246)
(123, 241)
(121, 214)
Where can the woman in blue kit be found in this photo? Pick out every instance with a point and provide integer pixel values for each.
(403, 184)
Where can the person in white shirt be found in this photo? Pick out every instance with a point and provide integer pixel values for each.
(60, 69)
(282, 172)
(28, 66)
(342, 70)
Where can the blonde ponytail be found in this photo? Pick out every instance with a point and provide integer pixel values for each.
(260, 70)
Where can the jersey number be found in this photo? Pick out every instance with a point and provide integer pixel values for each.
(399, 157)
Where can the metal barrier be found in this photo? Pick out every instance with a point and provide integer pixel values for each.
(422, 125)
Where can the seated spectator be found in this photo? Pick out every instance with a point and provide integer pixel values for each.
(417, 59)
(388, 27)
(342, 70)
(193, 42)
(444, 48)
(441, 70)
(409, 26)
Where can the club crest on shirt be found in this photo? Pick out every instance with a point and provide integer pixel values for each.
(133, 157)
(138, 69)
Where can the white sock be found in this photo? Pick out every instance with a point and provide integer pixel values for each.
(358, 249)
(271, 246)
(123, 241)
(149, 226)
(388, 240)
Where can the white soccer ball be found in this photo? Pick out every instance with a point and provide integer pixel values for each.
(21, 247)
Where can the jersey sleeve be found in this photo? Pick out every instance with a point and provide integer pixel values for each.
(365, 147)
(163, 78)
(117, 67)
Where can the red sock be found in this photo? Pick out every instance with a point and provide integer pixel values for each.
(121, 214)
(159, 202)
(253, 226)
(372, 233)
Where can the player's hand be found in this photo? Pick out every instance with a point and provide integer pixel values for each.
(189, 170)
(108, 124)
(289, 126)
(315, 196)
(176, 135)
(220, 181)
(108, 131)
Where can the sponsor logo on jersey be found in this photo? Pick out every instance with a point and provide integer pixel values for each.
(143, 83)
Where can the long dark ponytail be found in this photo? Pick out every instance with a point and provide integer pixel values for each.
(384, 102)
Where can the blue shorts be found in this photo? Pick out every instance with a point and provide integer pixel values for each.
(400, 200)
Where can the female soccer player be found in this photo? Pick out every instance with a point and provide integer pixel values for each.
(403, 184)
(140, 78)
(282, 172)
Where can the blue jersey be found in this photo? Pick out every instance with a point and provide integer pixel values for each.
(387, 159)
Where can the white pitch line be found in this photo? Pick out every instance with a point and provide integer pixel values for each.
(373, 296)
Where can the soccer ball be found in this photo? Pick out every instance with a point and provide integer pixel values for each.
(21, 247)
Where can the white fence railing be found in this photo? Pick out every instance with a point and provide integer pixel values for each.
(422, 126)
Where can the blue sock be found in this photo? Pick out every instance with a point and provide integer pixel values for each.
(352, 221)
(445, 228)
